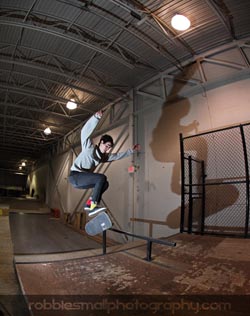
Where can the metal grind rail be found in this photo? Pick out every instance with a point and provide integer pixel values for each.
(149, 240)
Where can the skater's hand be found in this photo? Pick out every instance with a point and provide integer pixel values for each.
(136, 147)
(98, 114)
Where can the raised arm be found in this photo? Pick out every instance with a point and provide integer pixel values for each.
(89, 128)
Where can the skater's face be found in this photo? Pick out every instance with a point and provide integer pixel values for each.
(105, 147)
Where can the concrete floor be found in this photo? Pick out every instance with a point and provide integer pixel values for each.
(11, 299)
(202, 275)
(200, 269)
(8, 284)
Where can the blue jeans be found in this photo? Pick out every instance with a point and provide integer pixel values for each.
(87, 180)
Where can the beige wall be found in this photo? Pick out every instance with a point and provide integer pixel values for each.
(37, 182)
(158, 129)
(153, 192)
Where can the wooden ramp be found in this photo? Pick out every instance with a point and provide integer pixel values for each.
(201, 276)
(27, 229)
(34, 233)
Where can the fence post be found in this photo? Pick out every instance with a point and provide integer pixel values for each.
(190, 199)
(247, 179)
(203, 197)
(182, 185)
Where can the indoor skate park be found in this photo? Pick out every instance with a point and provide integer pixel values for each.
(179, 206)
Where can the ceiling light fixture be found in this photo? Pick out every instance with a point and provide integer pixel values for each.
(71, 105)
(180, 22)
(47, 131)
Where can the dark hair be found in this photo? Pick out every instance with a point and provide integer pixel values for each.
(107, 139)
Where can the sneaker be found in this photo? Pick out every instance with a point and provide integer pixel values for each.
(94, 209)
(88, 204)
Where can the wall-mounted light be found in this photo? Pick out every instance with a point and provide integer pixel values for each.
(23, 163)
(47, 131)
(71, 105)
(180, 22)
(20, 168)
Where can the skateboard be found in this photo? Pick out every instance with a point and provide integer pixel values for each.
(98, 224)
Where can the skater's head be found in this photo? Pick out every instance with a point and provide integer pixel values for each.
(106, 143)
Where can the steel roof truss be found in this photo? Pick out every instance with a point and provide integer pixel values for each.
(32, 63)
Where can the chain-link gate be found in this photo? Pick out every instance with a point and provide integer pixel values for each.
(215, 182)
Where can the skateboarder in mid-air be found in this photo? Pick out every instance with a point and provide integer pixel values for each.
(82, 174)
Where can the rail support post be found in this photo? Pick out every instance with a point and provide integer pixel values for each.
(149, 250)
(104, 242)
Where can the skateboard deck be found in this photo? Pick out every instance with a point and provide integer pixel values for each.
(98, 224)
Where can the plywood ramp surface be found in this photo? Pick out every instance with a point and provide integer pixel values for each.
(41, 233)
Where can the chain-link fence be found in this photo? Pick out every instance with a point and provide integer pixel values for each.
(215, 181)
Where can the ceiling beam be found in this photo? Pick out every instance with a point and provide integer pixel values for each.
(62, 59)
(38, 95)
(141, 10)
(33, 109)
(224, 17)
(33, 66)
(63, 36)
(25, 119)
(20, 128)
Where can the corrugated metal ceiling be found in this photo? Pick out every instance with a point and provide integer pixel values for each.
(95, 51)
